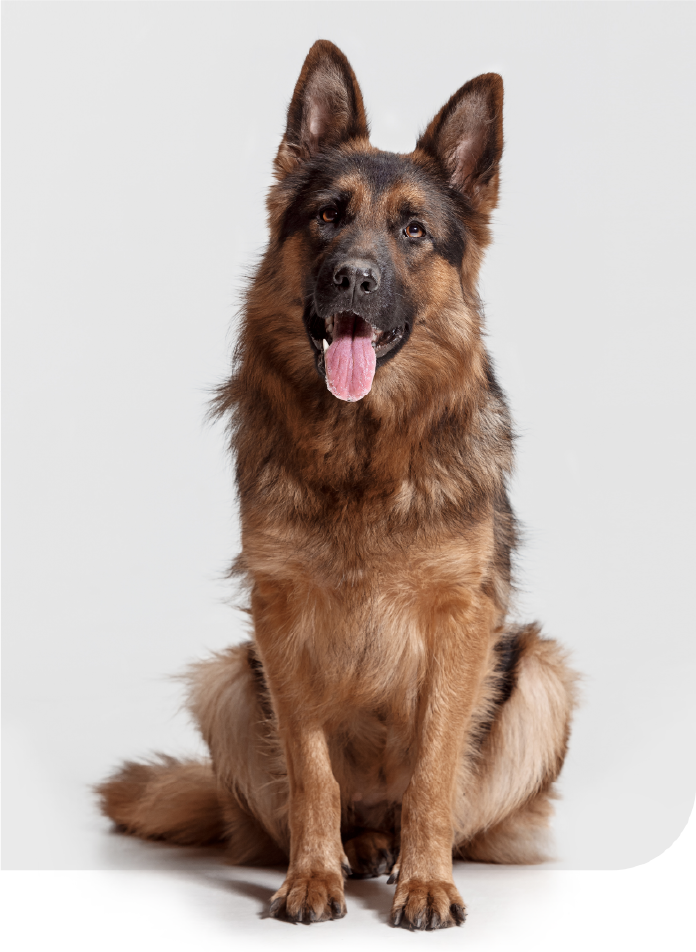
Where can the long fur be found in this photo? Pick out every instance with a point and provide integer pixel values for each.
(386, 714)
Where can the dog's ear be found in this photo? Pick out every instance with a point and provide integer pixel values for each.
(466, 138)
(326, 107)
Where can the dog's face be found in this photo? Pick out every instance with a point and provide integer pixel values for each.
(381, 245)
(372, 224)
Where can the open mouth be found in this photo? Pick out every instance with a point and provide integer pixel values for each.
(349, 348)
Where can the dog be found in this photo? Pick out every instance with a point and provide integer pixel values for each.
(386, 715)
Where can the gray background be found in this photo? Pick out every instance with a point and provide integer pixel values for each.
(137, 147)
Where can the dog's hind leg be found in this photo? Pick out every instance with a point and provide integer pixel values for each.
(503, 806)
(371, 853)
(228, 699)
(240, 798)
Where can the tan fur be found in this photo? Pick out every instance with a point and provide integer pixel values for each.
(501, 808)
(371, 715)
(521, 756)
(165, 799)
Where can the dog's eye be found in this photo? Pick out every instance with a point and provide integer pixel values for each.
(329, 215)
(414, 230)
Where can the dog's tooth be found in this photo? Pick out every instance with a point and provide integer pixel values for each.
(326, 345)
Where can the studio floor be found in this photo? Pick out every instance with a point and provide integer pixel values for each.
(193, 900)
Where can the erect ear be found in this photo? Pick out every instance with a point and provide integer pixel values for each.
(466, 138)
(326, 107)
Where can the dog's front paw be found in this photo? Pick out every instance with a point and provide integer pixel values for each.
(427, 904)
(310, 897)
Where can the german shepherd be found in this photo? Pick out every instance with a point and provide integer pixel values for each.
(385, 715)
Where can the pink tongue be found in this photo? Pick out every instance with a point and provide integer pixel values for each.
(350, 360)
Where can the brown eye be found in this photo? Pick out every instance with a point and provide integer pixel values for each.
(329, 214)
(414, 230)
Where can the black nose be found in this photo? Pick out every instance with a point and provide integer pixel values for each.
(357, 277)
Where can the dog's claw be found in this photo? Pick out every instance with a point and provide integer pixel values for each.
(434, 920)
(458, 913)
(336, 911)
(346, 870)
(397, 916)
(394, 878)
(277, 907)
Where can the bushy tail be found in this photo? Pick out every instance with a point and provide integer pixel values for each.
(165, 799)
(180, 801)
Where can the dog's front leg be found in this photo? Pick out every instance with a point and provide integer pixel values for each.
(426, 897)
(313, 887)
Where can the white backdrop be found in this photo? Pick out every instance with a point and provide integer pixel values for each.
(137, 147)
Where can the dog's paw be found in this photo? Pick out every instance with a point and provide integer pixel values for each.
(421, 904)
(370, 854)
(309, 898)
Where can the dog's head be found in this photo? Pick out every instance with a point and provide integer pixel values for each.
(382, 249)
